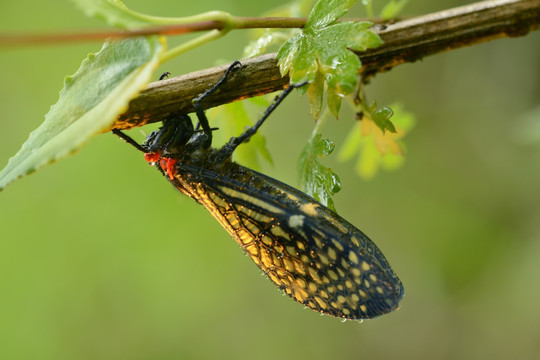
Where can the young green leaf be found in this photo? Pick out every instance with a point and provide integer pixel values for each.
(327, 50)
(333, 100)
(374, 147)
(317, 180)
(324, 47)
(259, 46)
(315, 96)
(88, 104)
(326, 12)
(381, 118)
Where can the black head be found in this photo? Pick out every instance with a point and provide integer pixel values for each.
(171, 136)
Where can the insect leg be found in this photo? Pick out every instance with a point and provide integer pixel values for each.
(203, 120)
(244, 137)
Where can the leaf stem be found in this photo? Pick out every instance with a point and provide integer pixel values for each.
(219, 16)
(227, 22)
(369, 10)
(198, 41)
(319, 123)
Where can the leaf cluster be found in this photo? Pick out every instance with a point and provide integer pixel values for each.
(321, 53)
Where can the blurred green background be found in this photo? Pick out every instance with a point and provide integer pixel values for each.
(100, 258)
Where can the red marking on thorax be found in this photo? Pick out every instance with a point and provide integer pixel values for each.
(167, 164)
(151, 157)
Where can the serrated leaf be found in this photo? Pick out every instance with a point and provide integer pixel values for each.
(265, 39)
(326, 12)
(114, 12)
(317, 180)
(327, 51)
(305, 64)
(287, 55)
(323, 48)
(386, 142)
(258, 46)
(88, 104)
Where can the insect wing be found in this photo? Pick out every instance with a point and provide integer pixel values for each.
(312, 254)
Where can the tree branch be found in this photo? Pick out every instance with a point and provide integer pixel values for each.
(404, 41)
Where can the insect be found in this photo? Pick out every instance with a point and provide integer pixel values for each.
(164, 75)
(312, 254)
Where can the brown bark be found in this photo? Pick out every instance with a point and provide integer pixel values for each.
(404, 41)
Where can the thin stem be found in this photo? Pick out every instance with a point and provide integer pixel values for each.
(169, 26)
(192, 44)
(369, 10)
(320, 121)
(269, 22)
(228, 24)
(220, 16)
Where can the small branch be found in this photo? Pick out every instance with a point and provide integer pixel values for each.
(239, 22)
(404, 41)
(77, 37)
(413, 39)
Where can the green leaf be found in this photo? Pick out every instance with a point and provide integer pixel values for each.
(88, 104)
(326, 12)
(114, 12)
(375, 148)
(327, 51)
(323, 48)
(259, 46)
(317, 180)
(315, 95)
(393, 8)
(333, 99)
(382, 117)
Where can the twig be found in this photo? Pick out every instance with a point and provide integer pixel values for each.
(14, 40)
(404, 41)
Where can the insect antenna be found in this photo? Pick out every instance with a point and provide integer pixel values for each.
(129, 140)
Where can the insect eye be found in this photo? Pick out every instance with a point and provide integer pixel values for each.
(150, 144)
